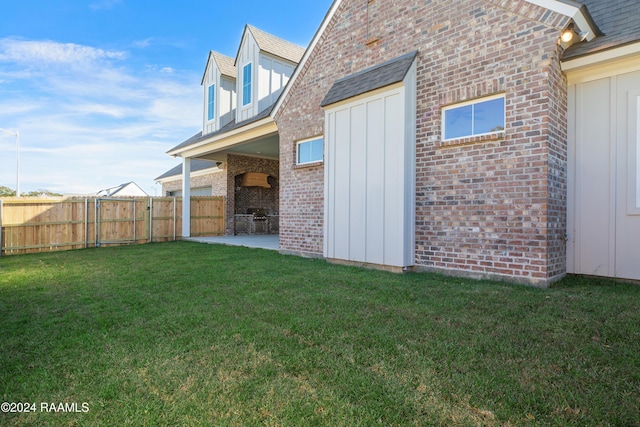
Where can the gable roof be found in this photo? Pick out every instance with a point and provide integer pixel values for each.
(372, 78)
(126, 189)
(619, 20)
(225, 65)
(196, 166)
(274, 45)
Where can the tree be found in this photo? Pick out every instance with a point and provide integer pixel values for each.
(6, 192)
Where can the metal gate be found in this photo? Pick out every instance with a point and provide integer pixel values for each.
(116, 221)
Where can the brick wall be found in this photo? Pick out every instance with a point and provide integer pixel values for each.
(237, 165)
(484, 206)
(216, 180)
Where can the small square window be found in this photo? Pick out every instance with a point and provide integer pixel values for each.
(481, 117)
(310, 151)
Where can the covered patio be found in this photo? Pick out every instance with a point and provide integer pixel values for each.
(246, 150)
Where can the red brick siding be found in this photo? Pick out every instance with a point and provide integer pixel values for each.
(217, 181)
(484, 206)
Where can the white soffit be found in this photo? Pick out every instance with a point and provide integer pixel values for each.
(571, 9)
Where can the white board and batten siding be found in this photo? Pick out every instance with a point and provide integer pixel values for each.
(274, 74)
(604, 175)
(270, 75)
(370, 177)
(225, 98)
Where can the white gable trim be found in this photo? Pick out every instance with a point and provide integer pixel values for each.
(571, 9)
(307, 53)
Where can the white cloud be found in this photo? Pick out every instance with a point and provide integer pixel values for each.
(49, 52)
(94, 122)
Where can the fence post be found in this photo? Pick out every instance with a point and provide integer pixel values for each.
(96, 205)
(174, 218)
(86, 223)
(150, 219)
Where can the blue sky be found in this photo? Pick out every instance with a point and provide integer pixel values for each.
(100, 89)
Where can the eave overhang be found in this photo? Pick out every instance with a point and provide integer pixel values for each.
(219, 142)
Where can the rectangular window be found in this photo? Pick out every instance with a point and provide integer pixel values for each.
(211, 103)
(480, 117)
(246, 84)
(310, 151)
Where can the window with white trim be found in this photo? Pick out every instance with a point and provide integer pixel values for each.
(310, 151)
(484, 116)
(246, 84)
(211, 102)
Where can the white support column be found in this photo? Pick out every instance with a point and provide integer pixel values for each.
(186, 197)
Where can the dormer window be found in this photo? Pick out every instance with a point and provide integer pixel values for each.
(211, 103)
(246, 84)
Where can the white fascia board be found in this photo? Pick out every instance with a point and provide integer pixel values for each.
(599, 57)
(611, 62)
(261, 128)
(572, 10)
(323, 26)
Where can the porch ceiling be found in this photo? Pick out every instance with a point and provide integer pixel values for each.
(267, 147)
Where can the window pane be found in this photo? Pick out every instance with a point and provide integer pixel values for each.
(211, 103)
(489, 116)
(304, 152)
(316, 150)
(246, 84)
(458, 122)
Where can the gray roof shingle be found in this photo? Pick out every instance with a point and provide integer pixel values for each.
(276, 46)
(225, 64)
(619, 20)
(373, 78)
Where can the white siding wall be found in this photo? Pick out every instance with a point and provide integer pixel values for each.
(603, 214)
(370, 179)
(248, 53)
(227, 104)
(212, 76)
(273, 76)
(225, 91)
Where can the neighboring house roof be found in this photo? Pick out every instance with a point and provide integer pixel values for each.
(619, 20)
(275, 45)
(196, 166)
(126, 189)
(373, 78)
(195, 139)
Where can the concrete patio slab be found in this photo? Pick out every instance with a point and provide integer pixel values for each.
(270, 242)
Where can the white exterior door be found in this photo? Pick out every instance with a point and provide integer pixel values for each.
(604, 177)
(370, 180)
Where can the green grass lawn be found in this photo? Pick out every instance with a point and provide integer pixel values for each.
(190, 334)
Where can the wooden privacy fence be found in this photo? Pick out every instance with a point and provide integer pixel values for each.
(38, 225)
